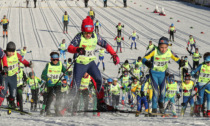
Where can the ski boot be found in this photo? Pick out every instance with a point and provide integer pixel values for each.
(197, 110)
(66, 32)
(7, 36)
(153, 111)
(135, 48)
(103, 69)
(208, 113)
(132, 106)
(42, 112)
(129, 101)
(98, 114)
(191, 111)
(35, 108)
(11, 103)
(48, 113)
(175, 116)
(182, 112)
(3, 36)
(137, 113)
(161, 107)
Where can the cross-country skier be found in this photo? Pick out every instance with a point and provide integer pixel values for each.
(27, 2)
(21, 83)
(119, 29)
(185, 68)
(84, 44)
(171, 32)
(191, 42)
(51, 74)
(139, 63)
(86, 3)
(105, 3)
(65, 22)
(97, 24)
(125, 81)
(133, 86)
(5, 23)
(158, 65)
(101, 57)
(23, 51)
(35, 3)
(34, 83)
(70, 71)
(125, 3)
(133, 37)
(171, 93)
(84, 91)
(119, 40)
(115, 91)
(108, 94)
(196, 57)
(91, 13)
(63, 48)
(187, 87)
(11, 79)
(151, 46)
(125, 67)
(204, 77)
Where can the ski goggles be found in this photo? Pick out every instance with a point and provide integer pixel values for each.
(207, 62)
(55, 59)
(86, 33)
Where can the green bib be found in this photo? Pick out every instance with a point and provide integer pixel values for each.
(64, 89)
(119, 27)
(126, 67)
(172, 89)
(136, 73)
(118, 39)
(85, 83)
(71, 68)
(63, 46)
(196, 56)
(161, 60)
(172, 28)
(115, 89)
(187, 87)
(125, 81)
(97, 23)
(54, 72)
(90, 50)
(66, 17)
(20, 78)
(12, 64)
(32, 84)
(133, 34)
(191, 41)
(22, 52)
(151, 47)
(204, 75)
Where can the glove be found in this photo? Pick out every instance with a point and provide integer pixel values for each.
(122, 88)
(49, 81)
(116, 59)
(167, 74)
(31, 65)
(178, 96)
(142, 93)
(192, 73)
(81, 51)
(181, 63)
(59, 49)
(65, 50)
(148, 64)
(31, 51)
(5, 70)
(185, 91)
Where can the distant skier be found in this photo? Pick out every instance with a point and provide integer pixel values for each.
(27, 2)
(102, 51)
(65, 22)
(91, 13)
(171, 31)
(63, 48)
(35, 3)
(115, 91)
(23, 51)
(119, 29)
(97, 24)
(119, 40)
(125, 3)
(105, 3)
(86, 3)
(70, 71)
(134, 37)
(196, 57)
(151, 46)
(191, 42)
(5, 23)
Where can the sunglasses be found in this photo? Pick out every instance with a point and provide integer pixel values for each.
(86, 33)
(208, 62)
(55, 59)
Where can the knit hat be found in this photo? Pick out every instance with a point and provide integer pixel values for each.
(87, 25)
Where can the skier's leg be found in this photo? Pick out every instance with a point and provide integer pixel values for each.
(131, 44)
(117, 98)
(113, 101)
(201, 93)
(4, 91)
(12, 88)
(166, 101)
(85, 94)
(144, 100)
(162, 86)
(173, 105)
(135, 44)
(208, 97)
(138, 103)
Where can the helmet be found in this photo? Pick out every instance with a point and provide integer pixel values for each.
(96, 20)
(172, 25)
(109, 80)
(185, 58)
(171, 78)
(11, 47)
(206, 57)
(126, 61)
(69, 59)
(115, 79)
(163, 40)
(31, 74)
(187, 76)
(54, 55)
(125, 72)
(139, 58)
(87, 25)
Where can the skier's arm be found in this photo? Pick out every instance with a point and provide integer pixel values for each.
(175, 57)
(189, 51)
(148, 56)
(196, 70)
(68, 19)
(24, 77)
(25, 62)
(63, 18)
(100, 24)
(44, 73)
(72, 48)
(3, 58)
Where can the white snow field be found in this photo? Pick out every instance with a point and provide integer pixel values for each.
(40, 29)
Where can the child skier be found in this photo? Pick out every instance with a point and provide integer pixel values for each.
(63, 48)
(118, 40)
(191, 42)
(134, 37)
(101, 57)
(171, 31)
(5, 23)
(115, 91)
(196, 57)
(158, 65)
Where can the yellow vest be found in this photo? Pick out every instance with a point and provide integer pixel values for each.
(161, 60)
(91, 13)
(119, 39)
(172, 28)
(125, 81)
(20, 78)
(191, 41)
(172, 89)
(85, 83)
(204, 75)
(66, 17)
(32, 84)
(64, 89)
(115, 89)
(187, 87)
(54, 72)
(196, 56)
(4, 21)
(63, 46)
(134, 34)
(22, 52)
(101, 52)
(90, 50)
(119, 27)
(12, 64)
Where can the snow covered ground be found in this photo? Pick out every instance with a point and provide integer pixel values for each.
(40, 29)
